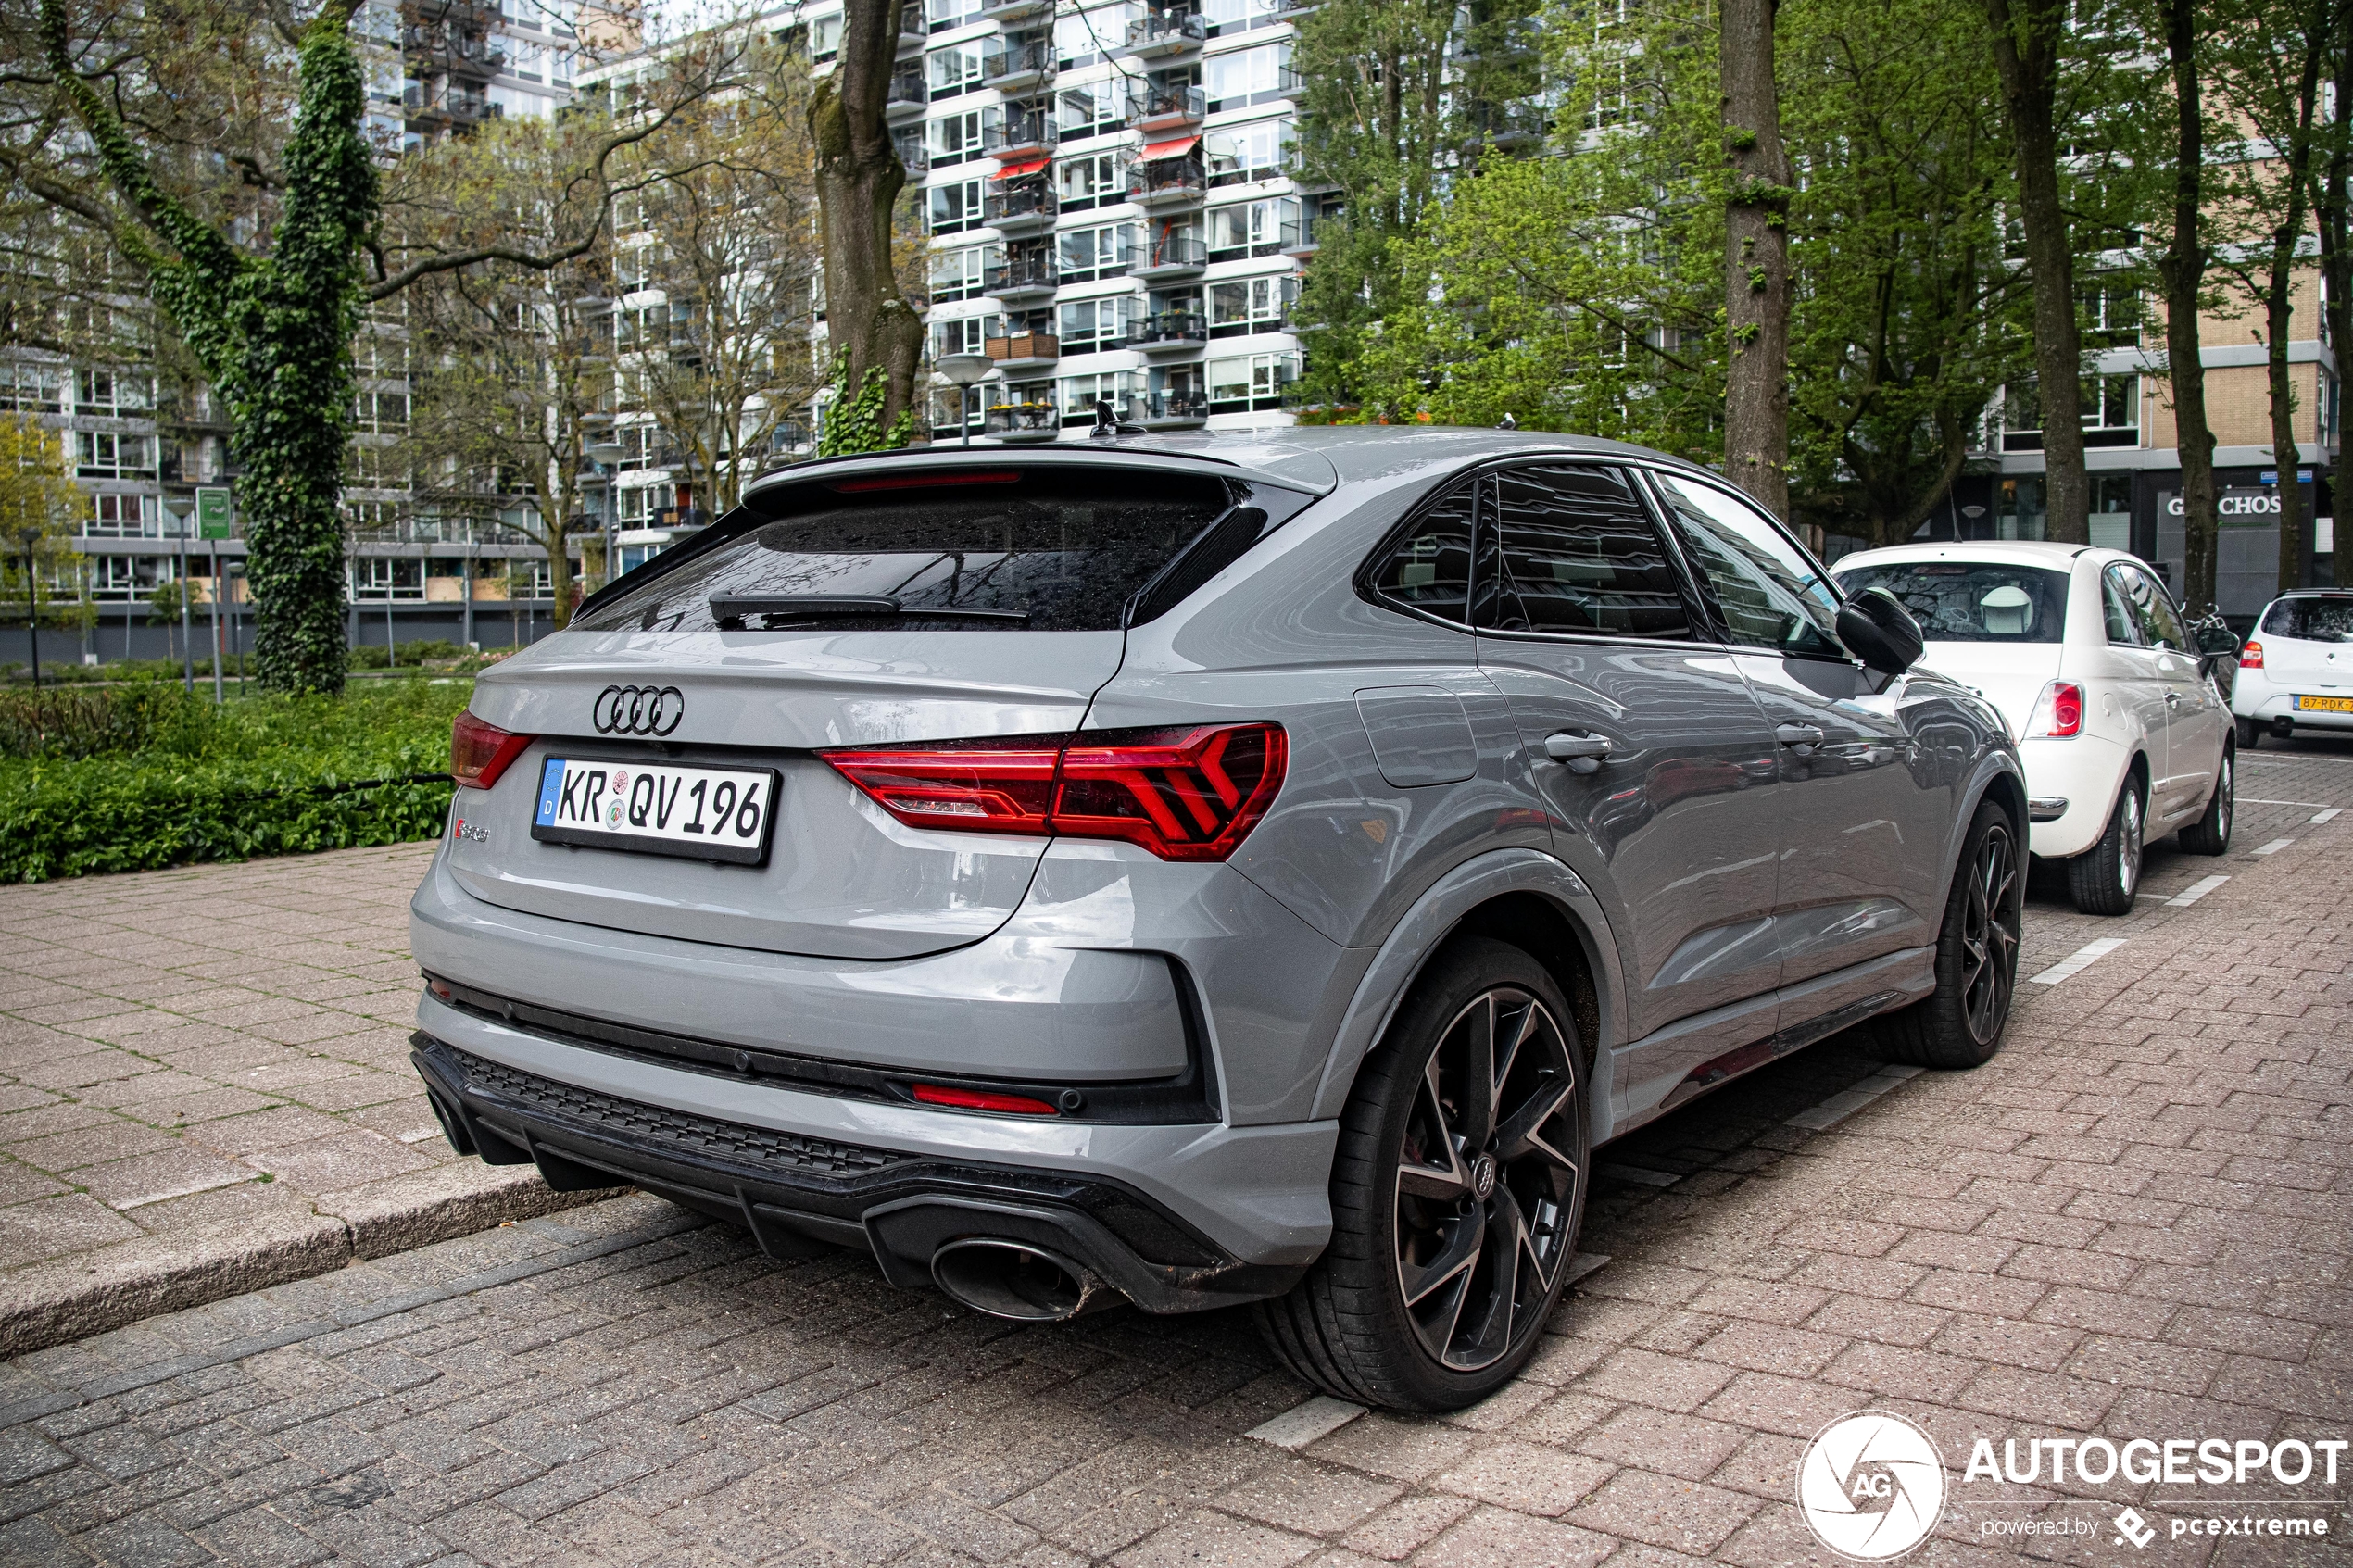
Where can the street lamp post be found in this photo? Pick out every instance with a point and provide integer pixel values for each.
(962, 372)
(181, 509)
(28, 538)
(604, 454)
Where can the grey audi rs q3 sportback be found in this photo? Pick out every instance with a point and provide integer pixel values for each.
(1250, 868)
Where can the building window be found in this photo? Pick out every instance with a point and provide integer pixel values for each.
(1239, 154)
(955, 138)
(121, 517)
(1229, 17)
(1083, 37)
(1088, 325)
(1086, 111)
(1250, 382)
(32, 389)
(1104, 252)
(1079, 394)
(380, 413)
(953, 69)
(965, 335)
(99, 454)
(1247, 77)
(1250, 305)
(113, 392)
(2111, 311)
(1089, 180)
(640, 505)
(955, 208)
(1248, 229)
(955, 274)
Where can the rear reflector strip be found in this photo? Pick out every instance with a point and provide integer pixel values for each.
(977, 1100)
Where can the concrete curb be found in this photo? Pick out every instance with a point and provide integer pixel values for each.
(105, 1288)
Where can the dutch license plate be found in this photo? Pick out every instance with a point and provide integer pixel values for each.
(725, 814)
(2325, 704)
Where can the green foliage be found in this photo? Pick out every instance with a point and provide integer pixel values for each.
(416, 655)
(854, 425)
(136, 778)
(272, 332)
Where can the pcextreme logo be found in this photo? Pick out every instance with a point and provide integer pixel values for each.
(1870, 1486)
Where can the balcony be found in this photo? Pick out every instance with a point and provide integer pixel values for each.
(1172, 255)
(1509, 129)
(1022, 422)
(1030, 133)
(913, 30)
(1157, 35)
(1026, 208)
(1024, 351)
(1301, 236)
(906, 98)
(913, 156)
(1018, 65)
(1165, 332)
(1173, 409)
(1013, 10)
(1021, 274)
(1155, 110)
(1167, 182)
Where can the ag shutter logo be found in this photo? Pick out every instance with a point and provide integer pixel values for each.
(1870, 1486)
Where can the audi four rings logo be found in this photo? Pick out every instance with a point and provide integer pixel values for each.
(638, 710)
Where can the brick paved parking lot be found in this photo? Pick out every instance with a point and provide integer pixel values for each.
(2132, 1224)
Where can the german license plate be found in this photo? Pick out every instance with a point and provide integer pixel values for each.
(725, 814)
(2325, 704)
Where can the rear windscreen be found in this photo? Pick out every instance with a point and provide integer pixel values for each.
(988, 549)
(2318, 620)
(1972, 601)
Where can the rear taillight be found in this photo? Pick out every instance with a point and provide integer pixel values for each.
(2251, 657)
(1187, 794)
(980, 1099)
(2058, 712)
(479, 751)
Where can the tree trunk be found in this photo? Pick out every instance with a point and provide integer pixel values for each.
(2279, 310)
(1757, 291)
(2182, 270)
(859, 179)
(2336, 263)
(2026, 54)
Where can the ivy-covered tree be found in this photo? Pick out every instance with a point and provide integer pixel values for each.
(218, 148)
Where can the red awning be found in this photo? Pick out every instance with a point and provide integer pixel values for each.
(1178, 148)
(1015, 170)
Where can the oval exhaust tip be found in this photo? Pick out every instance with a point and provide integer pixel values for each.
(1012, 1279)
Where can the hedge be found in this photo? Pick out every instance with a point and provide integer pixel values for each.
(265, 776)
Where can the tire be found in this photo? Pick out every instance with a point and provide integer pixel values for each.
(2250, 734)
(2210, 834)
(1960, 1023)
(2106, 879)
(1398, 1215)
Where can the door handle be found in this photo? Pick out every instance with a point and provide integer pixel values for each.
(1583, 753)
(1809, 735)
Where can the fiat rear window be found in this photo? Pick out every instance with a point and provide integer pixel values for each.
(1972, 601)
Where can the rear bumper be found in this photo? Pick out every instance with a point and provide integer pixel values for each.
(2264, 703)
(1175, 1216)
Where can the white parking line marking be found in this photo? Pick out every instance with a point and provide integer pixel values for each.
(2250, 800)
(2332, 812)
(1644, 1174)
(1302, 1425)
(2076, 961)
(1840, 1106)
(2194, 891)
(2274, 846)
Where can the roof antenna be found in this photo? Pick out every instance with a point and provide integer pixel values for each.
(1507, 422)
(1108, 422)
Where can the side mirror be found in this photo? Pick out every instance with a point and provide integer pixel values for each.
(1878, 630)
(2214, 637)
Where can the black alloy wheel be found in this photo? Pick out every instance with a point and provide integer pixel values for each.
(1991, 915)
(1485, 1184)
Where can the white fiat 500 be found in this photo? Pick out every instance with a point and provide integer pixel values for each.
(2123, 731)
(2297, 670)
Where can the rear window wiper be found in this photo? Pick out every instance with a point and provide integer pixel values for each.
(725, 608)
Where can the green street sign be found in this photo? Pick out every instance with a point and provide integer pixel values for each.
(216, 518)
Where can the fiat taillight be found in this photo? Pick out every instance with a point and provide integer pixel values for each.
(2058, 713)
(1187, 793)
(479, 751)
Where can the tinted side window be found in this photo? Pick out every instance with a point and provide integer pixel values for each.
(1576, 552)
(1770, 593)
(2151, 609)
(1429, 569)
(2121, 630)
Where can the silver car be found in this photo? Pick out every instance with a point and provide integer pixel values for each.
(1207, 870)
